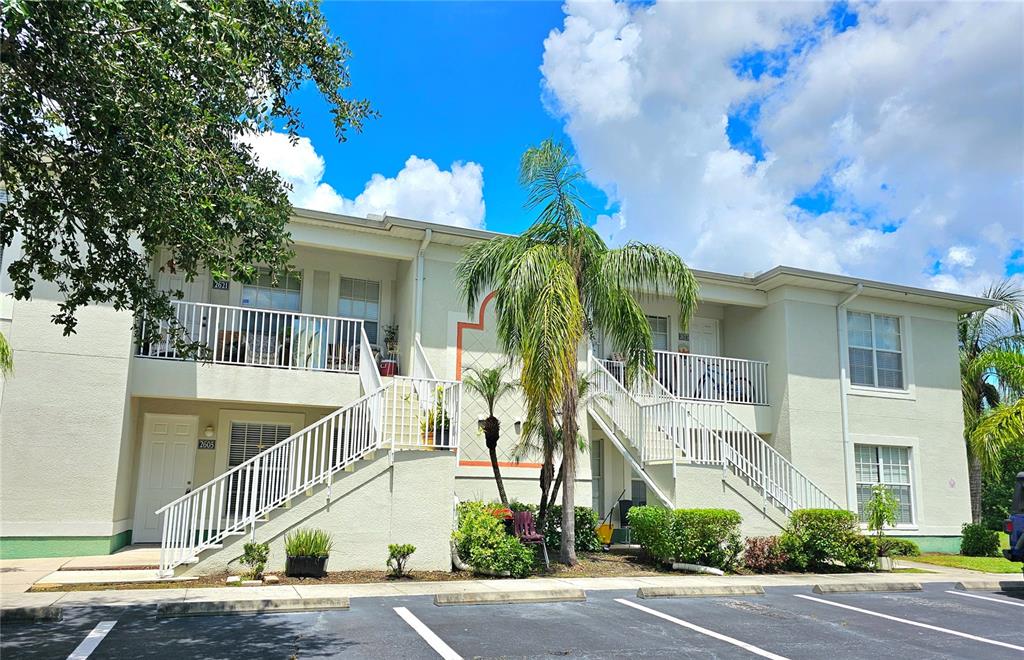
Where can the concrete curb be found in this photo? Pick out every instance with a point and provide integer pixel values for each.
(696, 592)
(509, 597)
(991, 585)
(865, 587)
(31, 614)
(215, 607)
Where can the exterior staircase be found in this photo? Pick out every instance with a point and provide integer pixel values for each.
(417, 412)
(652, 426)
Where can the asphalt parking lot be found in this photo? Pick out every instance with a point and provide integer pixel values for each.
(938, 622)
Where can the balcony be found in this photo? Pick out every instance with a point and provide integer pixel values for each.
(259, 338)
(707, 377)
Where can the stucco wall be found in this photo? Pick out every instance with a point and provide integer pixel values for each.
(409, 501)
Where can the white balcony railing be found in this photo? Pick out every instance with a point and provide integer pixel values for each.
(713, 378)
(259, 337)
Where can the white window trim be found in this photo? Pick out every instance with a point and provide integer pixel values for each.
(225, 418)
(668, 328)
(909, 391)
(916, 493)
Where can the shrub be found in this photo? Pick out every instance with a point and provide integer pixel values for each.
(255, 555)
(707, 537)
(586, 529)
(817, 538)
(482, 542)
(977, 541)
(862, 553)
(890, 547)
(398, 555)
(651, 528)
(516, 506)
(764, 554)
(308, 543)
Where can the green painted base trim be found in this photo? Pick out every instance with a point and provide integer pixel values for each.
(30, 547)
(946, 544)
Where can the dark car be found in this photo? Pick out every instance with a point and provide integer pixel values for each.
(1015, 523)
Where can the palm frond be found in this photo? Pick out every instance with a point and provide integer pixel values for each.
(996, 429)
(6, 357)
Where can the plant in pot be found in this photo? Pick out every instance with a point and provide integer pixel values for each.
(307, 550)
(391, 339)
(436, 427)
(882, 509)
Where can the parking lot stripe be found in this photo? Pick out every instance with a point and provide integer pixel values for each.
(913, 623)
(91, 641)
(994, 600)
(703, 631)
(428, 635)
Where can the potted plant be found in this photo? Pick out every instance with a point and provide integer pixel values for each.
(504, 514)
(391, 339)
(436, 427)
(882, 509)
(307, 550)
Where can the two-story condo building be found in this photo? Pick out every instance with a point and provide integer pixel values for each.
(334, 400)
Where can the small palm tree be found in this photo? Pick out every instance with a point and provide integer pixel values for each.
(992, 382)
(490, 385)
(6, 356)
(556, 283)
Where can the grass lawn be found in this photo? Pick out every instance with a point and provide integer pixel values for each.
(987, 564)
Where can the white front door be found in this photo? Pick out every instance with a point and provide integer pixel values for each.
(704, 336)
(166, 465)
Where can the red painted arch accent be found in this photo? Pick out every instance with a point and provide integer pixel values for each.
(466, 325)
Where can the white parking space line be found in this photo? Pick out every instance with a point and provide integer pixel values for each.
(703, 631)
(91, 641)
(913, 623)
(428, 635)
(994, 600)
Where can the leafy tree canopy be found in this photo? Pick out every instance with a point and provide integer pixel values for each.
(120, 129)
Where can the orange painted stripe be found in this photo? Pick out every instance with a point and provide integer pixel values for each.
(464, 325)
(500, 464)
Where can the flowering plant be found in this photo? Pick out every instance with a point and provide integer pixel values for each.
(502, 513)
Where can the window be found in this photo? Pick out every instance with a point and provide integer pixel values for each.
(360, 299)
(876, 350)
(262, 294)
(596, 476)
(247, 440)
(659, 332)
(638, 491)
(884, 465)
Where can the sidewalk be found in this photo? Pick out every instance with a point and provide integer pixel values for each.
(233, 594)
(18, 575)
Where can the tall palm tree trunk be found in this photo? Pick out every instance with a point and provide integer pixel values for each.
(569, 430)
(492, 431)
(974, 481)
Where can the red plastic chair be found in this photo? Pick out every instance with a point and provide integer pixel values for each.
(525, 530)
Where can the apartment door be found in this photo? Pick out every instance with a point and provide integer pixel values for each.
(166, 465)
(704, 336)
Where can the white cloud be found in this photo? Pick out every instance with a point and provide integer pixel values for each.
(913, 119)
(420, 190)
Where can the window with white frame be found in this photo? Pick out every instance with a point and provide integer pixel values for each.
(286, 296)
(638, 491)
(659, 332)
(875, 345)
(248, 439)
(596, 476)
(360, 299)
(890, 466)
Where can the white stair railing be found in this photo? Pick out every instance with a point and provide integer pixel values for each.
(234, 501)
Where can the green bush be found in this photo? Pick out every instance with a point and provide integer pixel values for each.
(308, 543)
(516, 505)
(707, 537)
(977, 541)
(651, 528)
(890, 547)
(255, 555)
(398, 556)
(818, 538)
(862, 554)
(586, 529)
(482, 542)
(997, 486)
(764, 554)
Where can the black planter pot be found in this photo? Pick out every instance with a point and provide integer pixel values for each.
(315, 567)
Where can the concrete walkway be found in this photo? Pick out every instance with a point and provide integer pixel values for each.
(146, 597)
(18, 575)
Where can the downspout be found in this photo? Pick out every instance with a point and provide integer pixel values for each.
(844, 391)
(418, 320)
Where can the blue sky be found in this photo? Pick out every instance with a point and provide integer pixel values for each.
(453, 82)
(742, 136)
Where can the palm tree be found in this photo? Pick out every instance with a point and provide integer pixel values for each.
(490, 385)
(6, 356)
(992, 380)
(556, 283)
